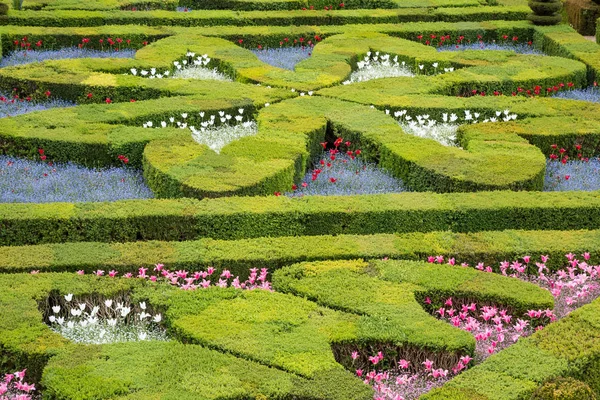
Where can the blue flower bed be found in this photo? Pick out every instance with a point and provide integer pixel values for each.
(516, 47)
(283, 57)
(25, 57)
(27, 181)
(574, 175)
(346, 176)
(591, 94)
(15, 106)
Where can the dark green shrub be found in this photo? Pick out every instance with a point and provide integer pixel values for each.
(545, 12)
(564, 389)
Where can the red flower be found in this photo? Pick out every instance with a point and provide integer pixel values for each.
(420, 37)
(357, 152)
(85, 40)
(332, 180)
(294, 187)
(595, 83)
(324, 144)
(41, 151)
(341, 5)
(304, 184)
(504, 37)
(47, 93)
(554, 146)
(101, 40)
(496, 93)
(38, 43)
(43, 157)
(240, 41)
(578, 147)
(119, 40)
(132, 100)
(562, 151)
(89, 95)
(259, 47)
(567, 177)
(144, 43)
(570, 84)
(286, 40)
(515, 38)
(108, 100)
(277, 194)
(530, 43)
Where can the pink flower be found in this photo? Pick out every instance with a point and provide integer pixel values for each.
(99, 272)
(466, 359)
(359, 372)
(226, 274)
(112, 273)
(354, 355)
(159, 267)
(80, 272)
(526, 259)
(448, 302)
(210, 270)
(428, 364)
(452, 261)
(586, 256)
(403, 364)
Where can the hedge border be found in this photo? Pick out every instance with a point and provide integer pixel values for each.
(247, 217)
(277, 18)
(240, 255)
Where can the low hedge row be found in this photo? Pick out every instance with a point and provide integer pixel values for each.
(245, 217)
(239, 255)
(98, 5)
(306, 367)
(270, 5)
(277, 18)
(570, 347)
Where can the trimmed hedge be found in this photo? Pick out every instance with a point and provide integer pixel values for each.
(116, 370)
(395, 291)
(568, 348)
(239, 255)
(245, 18)
(245, 217)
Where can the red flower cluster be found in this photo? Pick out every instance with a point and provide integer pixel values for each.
(123, 159)
(440, 40)
(42, 155)
(561, 154)
(534, 91)
(25, 43)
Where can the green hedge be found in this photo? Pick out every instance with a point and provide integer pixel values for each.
(239, 255)
(245, 217)
(244, 18)
(570, 347)
(395, 291)
(142, 369)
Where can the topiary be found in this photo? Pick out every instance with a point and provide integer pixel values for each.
(564, 389)
(545, 12)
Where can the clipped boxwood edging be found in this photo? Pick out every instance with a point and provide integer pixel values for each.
(247, 217)
(240, 255)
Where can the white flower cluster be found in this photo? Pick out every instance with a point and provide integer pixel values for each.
(190, 68)
(109, 322)
(216, 130)
(445, 131)
(375, 66)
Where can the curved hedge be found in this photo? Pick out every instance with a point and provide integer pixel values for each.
(226, 320)
(570, 347)
(113, 370)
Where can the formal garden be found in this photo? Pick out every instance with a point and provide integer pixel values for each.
(298, 199)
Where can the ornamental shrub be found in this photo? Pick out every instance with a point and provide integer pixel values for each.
(545, 12)
(564, 389)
